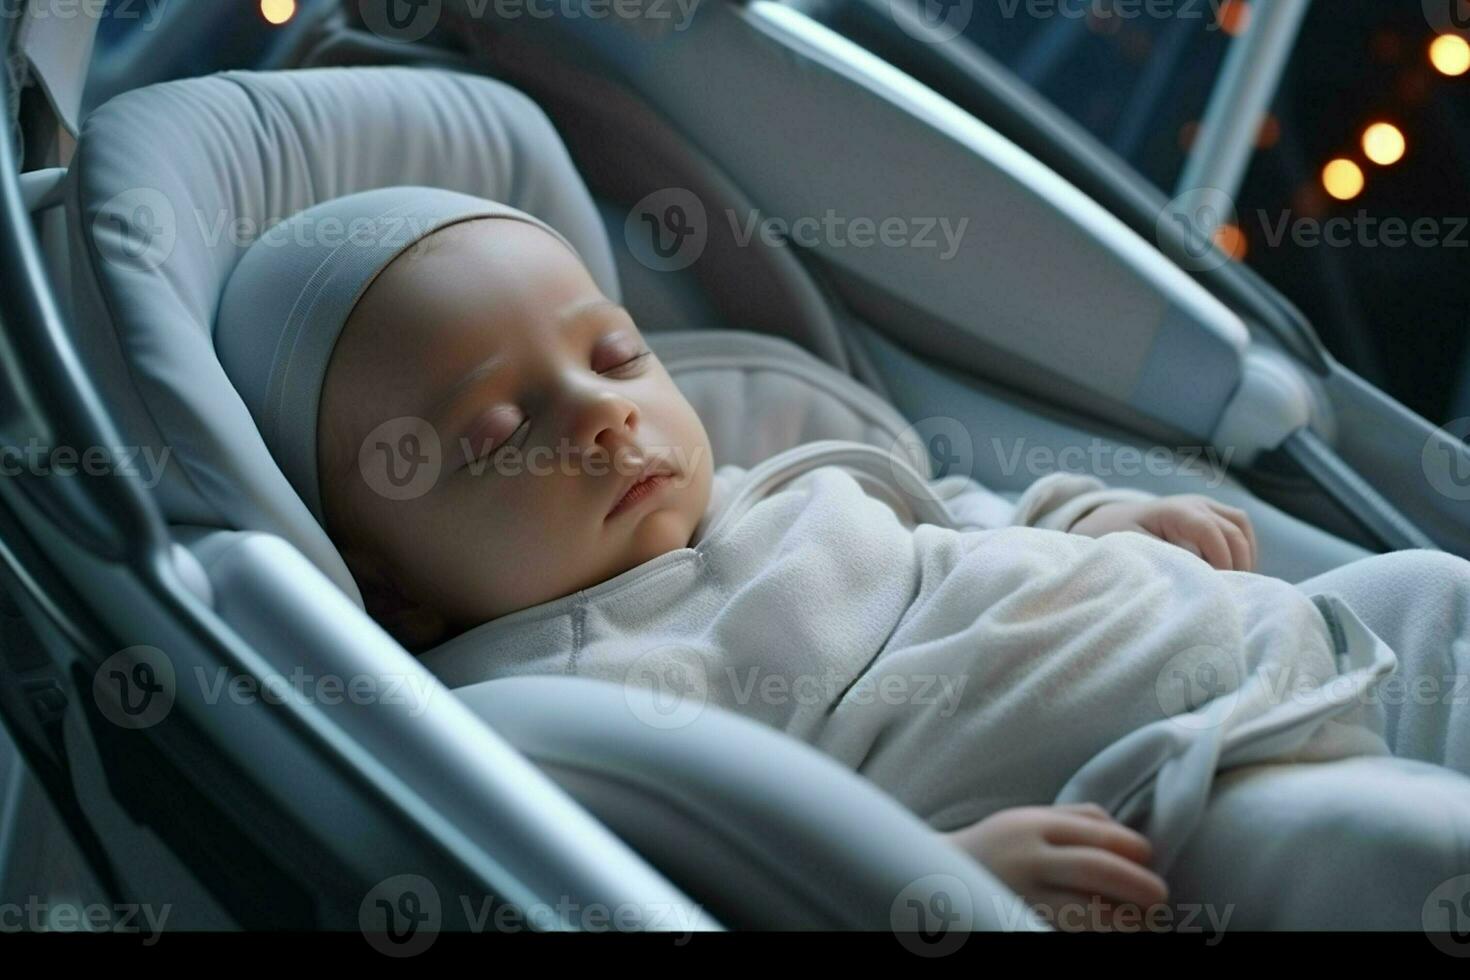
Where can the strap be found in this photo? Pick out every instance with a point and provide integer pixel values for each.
(884, 468)
(54, 52)
(59, 50)
(18, 74)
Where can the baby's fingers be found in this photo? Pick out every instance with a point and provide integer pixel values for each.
(1093, 871)
(1242, 521)
(1240, 549)
(1095, 810)
(1088, 830)
(1203, 536)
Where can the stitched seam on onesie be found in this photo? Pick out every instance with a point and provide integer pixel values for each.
(579, 618)
(710, 570)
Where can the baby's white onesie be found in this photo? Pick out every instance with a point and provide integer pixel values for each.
(964, 653)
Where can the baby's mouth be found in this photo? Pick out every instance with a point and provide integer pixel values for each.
(654, 477)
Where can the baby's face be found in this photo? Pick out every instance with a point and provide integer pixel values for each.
(547, 406)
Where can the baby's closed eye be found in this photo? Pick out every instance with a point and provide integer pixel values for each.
(617, 352)
(619, 355)
(500, 427)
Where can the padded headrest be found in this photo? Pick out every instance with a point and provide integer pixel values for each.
(759, 395)
(171, 183)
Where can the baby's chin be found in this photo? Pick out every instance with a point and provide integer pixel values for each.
(653, 534)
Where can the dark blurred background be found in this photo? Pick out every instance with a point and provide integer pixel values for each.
(1399, 316)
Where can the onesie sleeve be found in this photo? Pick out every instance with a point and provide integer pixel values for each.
(1059, 500)
(1054, 502)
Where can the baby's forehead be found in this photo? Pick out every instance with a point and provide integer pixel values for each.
(473, 279)
(479, 259)
(509, 238)
(461, 235)
(419, 274)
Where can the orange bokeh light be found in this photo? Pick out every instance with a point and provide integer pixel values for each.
(1343, 179)
(1235, 17)
(1231, 240)
(1269, 134)
(1384, 144)
(277, 11)
(1450, 55)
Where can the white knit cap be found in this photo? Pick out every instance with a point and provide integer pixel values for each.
(291, 294)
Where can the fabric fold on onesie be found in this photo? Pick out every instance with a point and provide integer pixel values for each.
(836, 594)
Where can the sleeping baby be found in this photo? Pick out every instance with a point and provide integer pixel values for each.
(1091, 698)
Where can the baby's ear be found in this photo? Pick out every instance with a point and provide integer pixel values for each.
(411, 623)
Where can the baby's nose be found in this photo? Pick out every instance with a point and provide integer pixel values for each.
(607, 421)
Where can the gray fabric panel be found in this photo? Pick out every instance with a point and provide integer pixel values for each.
(759, 396)
(1187, 376)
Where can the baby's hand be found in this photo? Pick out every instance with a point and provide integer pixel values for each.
(1221, 535)
(1057, 857)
